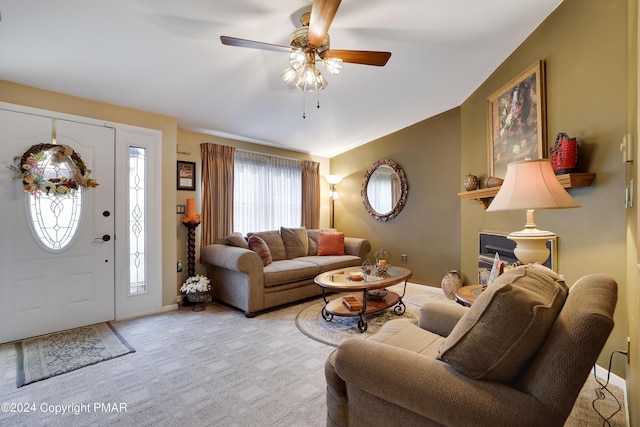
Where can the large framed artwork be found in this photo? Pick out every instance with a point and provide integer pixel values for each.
(516, 121)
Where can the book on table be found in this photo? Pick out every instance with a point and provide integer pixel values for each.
(352, 303)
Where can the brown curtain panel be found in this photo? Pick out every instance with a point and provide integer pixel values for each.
(310, 194)
(217, 191)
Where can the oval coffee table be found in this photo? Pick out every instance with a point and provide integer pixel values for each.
(361, 302)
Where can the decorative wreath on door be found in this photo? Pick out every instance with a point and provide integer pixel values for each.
(31, 167)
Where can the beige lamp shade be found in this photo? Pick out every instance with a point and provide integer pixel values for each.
(530, 185)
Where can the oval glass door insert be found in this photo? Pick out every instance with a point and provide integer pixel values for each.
(54, 218)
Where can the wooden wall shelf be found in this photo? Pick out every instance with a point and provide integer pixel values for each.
(569, 180)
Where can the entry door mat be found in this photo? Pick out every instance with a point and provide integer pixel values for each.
(46, 356)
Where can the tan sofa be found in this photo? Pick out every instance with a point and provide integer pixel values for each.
(406, 374)
(239, 277)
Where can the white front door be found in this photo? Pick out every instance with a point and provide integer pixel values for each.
(45, 289)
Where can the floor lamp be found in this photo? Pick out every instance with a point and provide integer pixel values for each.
(530, 185)
(333, 195)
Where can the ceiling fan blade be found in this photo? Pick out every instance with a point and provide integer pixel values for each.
(233, 41)
(365, 57)
(322, 13)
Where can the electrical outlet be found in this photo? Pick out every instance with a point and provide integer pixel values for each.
(179, 269)
(404, 258)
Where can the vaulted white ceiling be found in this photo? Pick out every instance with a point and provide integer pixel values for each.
(165, 56)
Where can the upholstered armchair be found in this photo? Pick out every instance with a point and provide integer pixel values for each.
(519, 356)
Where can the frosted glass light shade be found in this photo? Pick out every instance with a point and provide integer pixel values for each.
(333, 179)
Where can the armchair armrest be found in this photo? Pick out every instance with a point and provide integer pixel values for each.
(433, 389)
(232, 258)
(440, 317)
(357, 246)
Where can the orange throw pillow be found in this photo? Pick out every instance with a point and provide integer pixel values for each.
(330, 243)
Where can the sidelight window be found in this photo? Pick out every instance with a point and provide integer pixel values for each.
(137, 220)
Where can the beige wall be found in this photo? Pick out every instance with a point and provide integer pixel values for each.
(584, 45)
(428, 228)
(633, 217)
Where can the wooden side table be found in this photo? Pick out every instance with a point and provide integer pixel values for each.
(467, 295)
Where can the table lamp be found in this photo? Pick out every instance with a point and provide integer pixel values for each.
(530, 185)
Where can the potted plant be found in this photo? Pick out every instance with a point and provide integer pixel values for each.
(197, 290)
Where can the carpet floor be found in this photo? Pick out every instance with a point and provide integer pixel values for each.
(207, 368)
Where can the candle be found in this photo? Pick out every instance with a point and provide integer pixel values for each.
(382, 262)
(191, 209)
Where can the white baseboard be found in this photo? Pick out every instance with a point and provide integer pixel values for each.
(170, 307)
(613, 378)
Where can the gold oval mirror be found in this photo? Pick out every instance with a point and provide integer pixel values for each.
(384, 190)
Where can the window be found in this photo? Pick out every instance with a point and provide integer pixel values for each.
(55, 219)
(137, 220)
(267, 192)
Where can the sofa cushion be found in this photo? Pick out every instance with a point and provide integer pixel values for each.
(313, 239)
(506, 325)
(237, 240)
(273, 239)
(258, 245)
(405, 334)
(330, 243)
(332, 262)
(288, 271)
(296, 241)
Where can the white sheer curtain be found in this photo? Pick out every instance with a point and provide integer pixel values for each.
(267, 192)
(380, 191)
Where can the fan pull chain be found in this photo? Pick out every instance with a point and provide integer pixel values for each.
(304, 103)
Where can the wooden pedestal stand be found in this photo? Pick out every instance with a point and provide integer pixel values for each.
(191, 254)
(191, 247)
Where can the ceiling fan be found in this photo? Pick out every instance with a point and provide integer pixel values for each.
(310, 44)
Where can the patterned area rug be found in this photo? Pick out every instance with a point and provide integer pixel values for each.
(55, 354)
(311, 323)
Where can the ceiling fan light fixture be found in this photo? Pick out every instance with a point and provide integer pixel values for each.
(297, 58)
(311, 80)
(321, 81)
(308, 81)
(332, 65)
(290, 76)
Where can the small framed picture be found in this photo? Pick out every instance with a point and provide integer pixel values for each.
(186, 176)
(516, 120)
